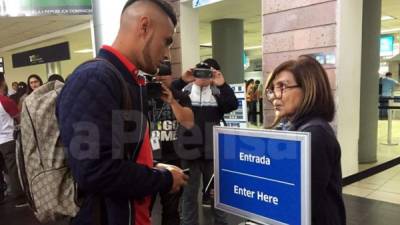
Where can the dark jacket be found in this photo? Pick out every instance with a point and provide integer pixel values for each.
(198, 142)
(326, 174)
(164, 126)
(106, 175)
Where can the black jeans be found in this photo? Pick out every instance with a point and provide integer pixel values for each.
(170, 203)
(3, 185)
(8, 152)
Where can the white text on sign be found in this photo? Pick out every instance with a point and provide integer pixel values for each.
(260, 196)
(246, 157)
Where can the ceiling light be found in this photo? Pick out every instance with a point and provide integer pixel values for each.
(390, 31)
(207, 45)
(253, 47)
(384, 18)
(83, 51)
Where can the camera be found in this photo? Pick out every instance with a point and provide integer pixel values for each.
(154, 89)
(202, 71)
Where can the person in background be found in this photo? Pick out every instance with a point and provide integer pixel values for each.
(55, 77)
(259, 94)
(387, 87)
(34, 81)
(211, 98)
(301, 93)
(21, 91)
(8, 113)
(251, 102)
(166, 115)
(13, 89)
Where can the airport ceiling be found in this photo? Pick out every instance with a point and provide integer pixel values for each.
(391, 8)
(14, 30)
(18, 29)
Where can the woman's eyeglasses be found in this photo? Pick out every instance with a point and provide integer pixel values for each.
(277, 91)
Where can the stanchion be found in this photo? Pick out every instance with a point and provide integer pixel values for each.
(389, 127)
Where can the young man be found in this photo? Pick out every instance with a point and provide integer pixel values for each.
(113, 169)
(211, 98)
(389, 85)
(8, 113)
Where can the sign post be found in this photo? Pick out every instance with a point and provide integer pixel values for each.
(263, 175)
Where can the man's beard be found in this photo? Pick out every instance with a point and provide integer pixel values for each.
(148, 62)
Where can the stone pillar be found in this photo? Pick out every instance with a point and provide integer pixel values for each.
(228, 48)
(294, 28)
(369, 81)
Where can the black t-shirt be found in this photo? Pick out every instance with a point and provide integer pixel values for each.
(164, 126)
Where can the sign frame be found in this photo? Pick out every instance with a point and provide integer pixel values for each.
(305, 157)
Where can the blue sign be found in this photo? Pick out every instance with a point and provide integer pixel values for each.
(263, 175)
(386, 45)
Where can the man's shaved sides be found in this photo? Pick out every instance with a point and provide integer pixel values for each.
(161, 5)
(138, 9)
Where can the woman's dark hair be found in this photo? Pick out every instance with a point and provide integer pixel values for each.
(30, 90)
(249, 82)
(56, 77)
(313, 80)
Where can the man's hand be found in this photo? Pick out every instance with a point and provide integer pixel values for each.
(167, 95)
(188, 76)
(179, 178)
(166, 79)
(218, 78)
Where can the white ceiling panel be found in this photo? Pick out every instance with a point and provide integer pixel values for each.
(18, 29)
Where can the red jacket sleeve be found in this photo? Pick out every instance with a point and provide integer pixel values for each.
(9, 106)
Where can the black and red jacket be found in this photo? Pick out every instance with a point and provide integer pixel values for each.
(85, 108)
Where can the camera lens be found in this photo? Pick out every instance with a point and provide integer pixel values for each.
(165, 68)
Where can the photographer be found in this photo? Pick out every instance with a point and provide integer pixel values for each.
(168, 109)
(211, 98)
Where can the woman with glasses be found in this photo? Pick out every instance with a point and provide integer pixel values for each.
(300, 93)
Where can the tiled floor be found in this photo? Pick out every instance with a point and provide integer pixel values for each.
(386, 152)
(359, 211)
(384, 186)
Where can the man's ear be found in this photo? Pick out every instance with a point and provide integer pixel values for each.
(144, 25)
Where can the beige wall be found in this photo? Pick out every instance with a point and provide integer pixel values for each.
(293, 28)
(77, 41)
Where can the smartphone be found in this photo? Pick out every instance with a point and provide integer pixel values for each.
(210, 185)
(186, 171)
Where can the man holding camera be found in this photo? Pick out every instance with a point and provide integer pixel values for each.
(211, 98)
(168, 109)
